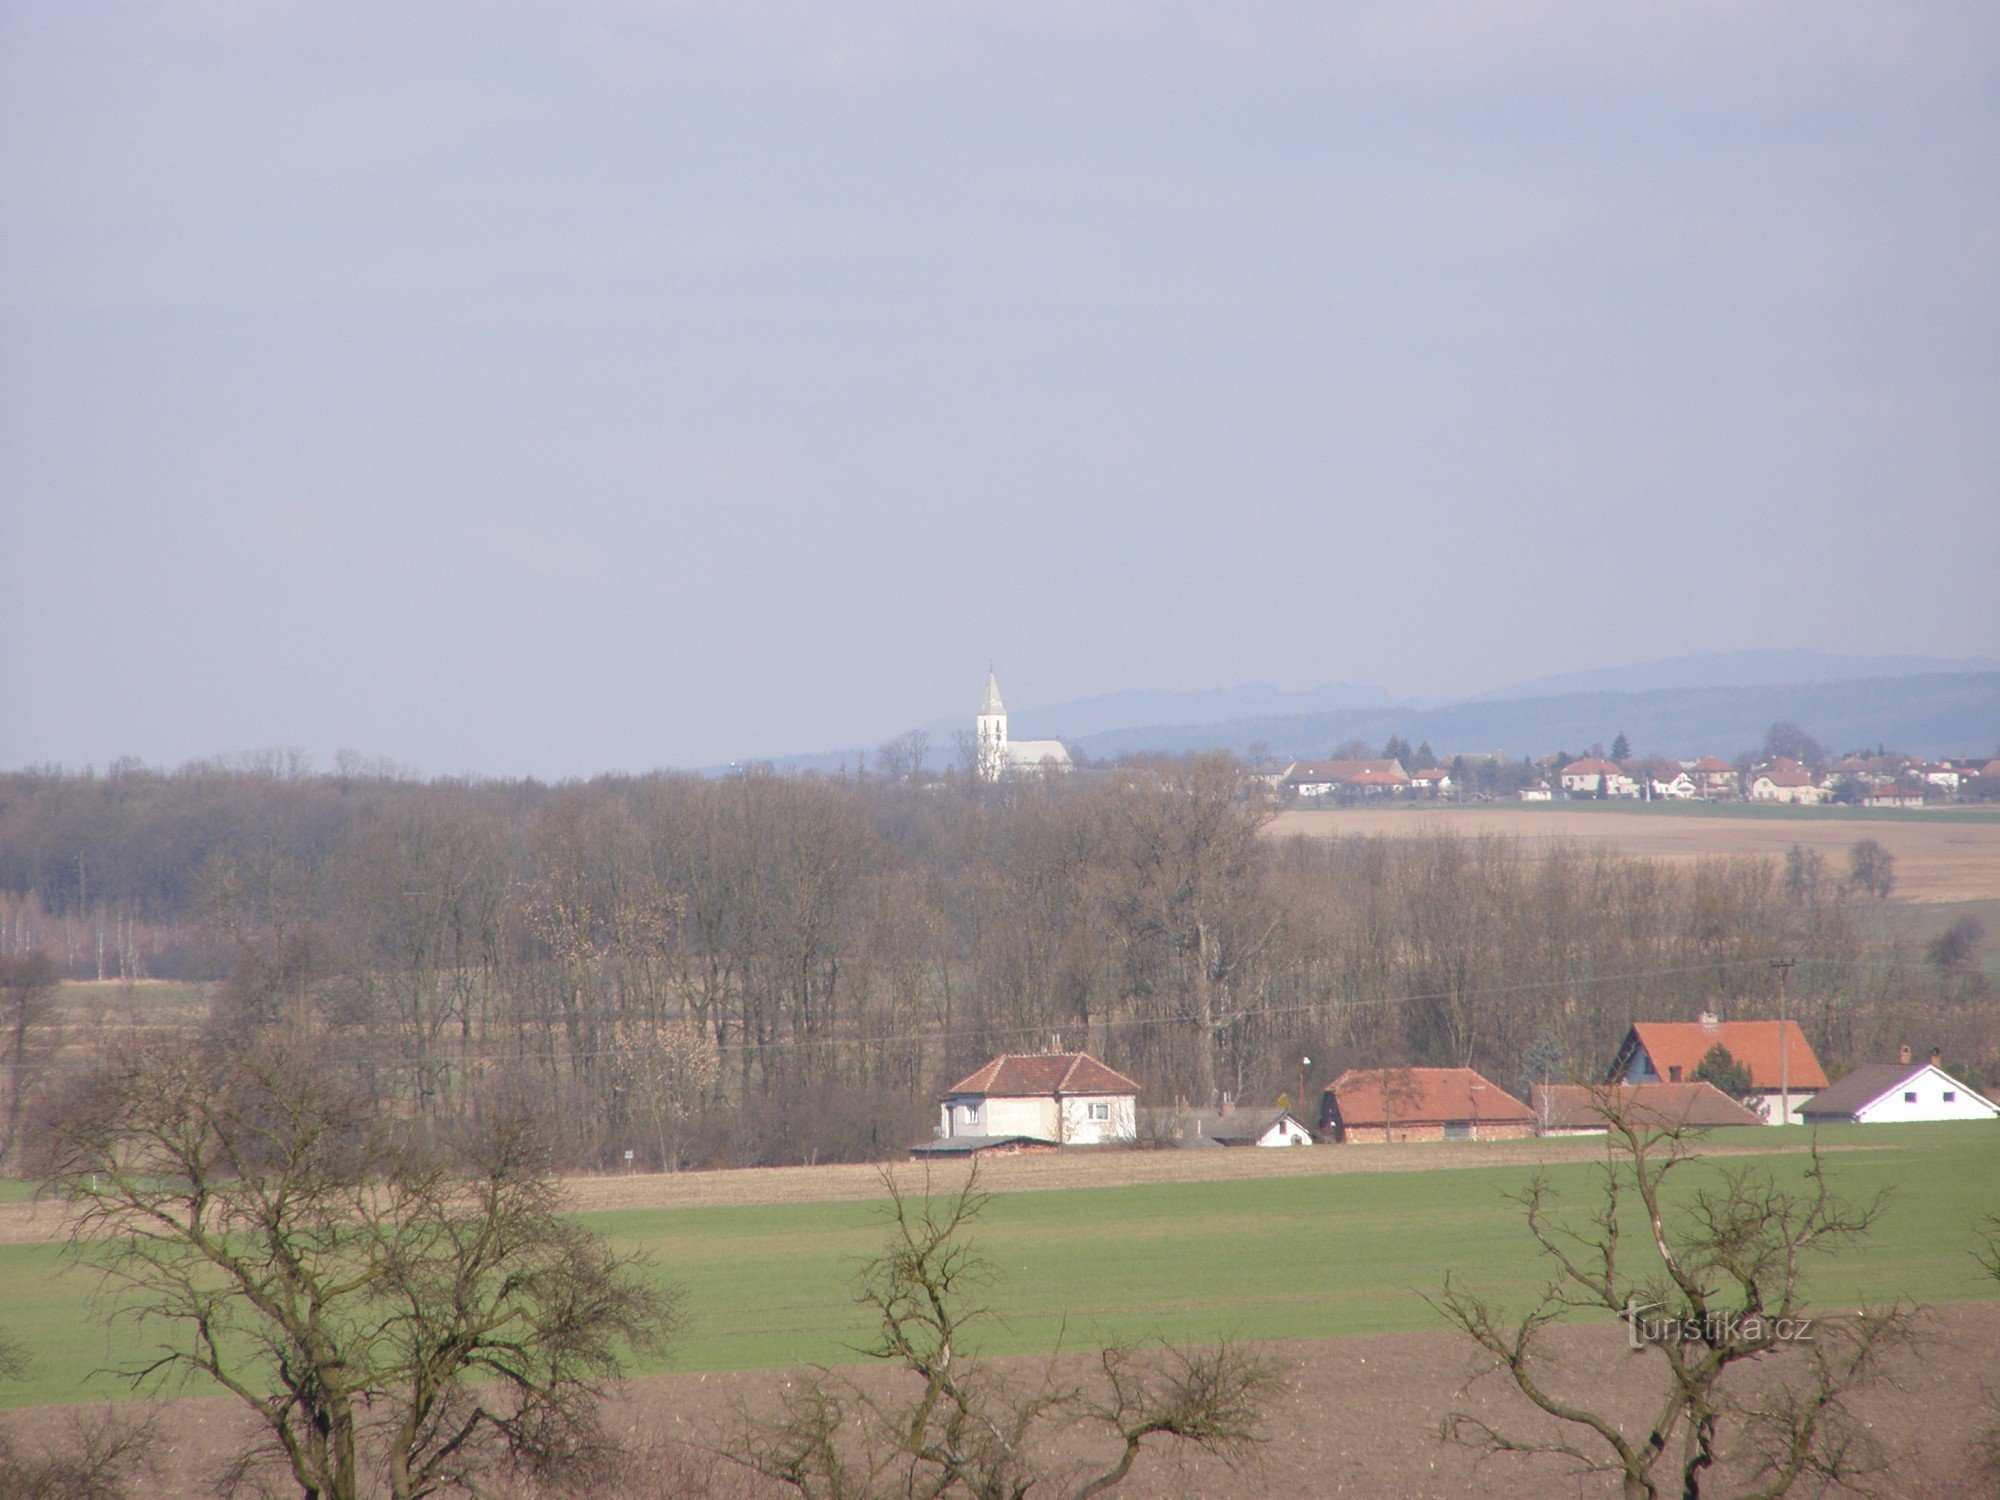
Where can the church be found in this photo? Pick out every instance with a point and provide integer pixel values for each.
(1000, 756)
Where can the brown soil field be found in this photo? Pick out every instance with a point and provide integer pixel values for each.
(1357, 1416)
(1942, 861)
(31, 1221)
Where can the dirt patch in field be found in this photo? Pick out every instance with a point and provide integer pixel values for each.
(1357, 1416)
(1942, 861)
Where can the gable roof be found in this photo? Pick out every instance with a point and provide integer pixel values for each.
(1754, 1044)
(1318, 771)
(1014, 1076)
(1712, 764)
(1590, 765)
(1861, 1087)
(1786, 776)
(1422, 1096)
(1656, 1106)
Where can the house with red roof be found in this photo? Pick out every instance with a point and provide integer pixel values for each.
(1041, 1098)
(1714, 776)
(1777, 1056)
(1787, 781)
(1420, 1104)
(1325, 778)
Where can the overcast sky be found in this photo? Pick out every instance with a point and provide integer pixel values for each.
(565, 387)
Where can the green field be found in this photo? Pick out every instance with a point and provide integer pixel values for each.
(1350, 1253)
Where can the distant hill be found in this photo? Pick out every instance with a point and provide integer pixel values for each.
(1739, 669)
(1938, 713)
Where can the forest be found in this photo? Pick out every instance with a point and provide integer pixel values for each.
(764, 969)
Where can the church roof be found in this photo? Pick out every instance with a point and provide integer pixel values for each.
(991, 704)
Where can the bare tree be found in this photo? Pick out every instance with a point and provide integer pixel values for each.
(1872, 869)
(399, 1314)
(952, 1425)
(27, 1003)
(1715, 1283)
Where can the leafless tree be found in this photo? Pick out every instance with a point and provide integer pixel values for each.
(1714, 1284)
(949, 1424)
(27, 1005)
(399, 1313)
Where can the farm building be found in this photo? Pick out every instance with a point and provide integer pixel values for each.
(1223, 1127)
(1671, 1051)
(1897, 1093)
(1421, 1104)
(1577, 1109)
(1056, 1098)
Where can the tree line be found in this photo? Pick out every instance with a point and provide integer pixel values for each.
(765, 968)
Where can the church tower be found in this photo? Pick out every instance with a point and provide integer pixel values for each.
(992, 731)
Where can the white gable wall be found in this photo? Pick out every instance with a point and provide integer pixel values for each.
(1930, 1087)
(1083, 1127)
(1285, 1132)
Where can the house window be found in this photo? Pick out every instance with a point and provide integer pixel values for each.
(1101, 1111)
(1458, 1130)
(971, 1114)
(1910, 1098)
(1951, 1096)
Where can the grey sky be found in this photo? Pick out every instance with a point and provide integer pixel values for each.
(553, 388)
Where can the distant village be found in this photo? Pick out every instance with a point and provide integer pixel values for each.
(1792, 770)
(1880, 780)
(1667, 1075)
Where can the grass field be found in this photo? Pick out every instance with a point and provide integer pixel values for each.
(771, 1285)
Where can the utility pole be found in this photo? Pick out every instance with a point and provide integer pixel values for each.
(1784, 968)
(1299, 1107)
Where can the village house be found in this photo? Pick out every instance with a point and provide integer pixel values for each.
(1536, 791)
(1043, 1098)
(1435, 781)
(1420, 1104)
(1227, 1126)
(1591, 777)
(1894, 796)
(1897, 1093)
(1671, 1051)
(1673, 785)
(1580, 1109)
(1714, 777)
(1787, 781)
(1323, 778)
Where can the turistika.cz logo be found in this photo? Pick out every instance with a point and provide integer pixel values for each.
(1712, 1330)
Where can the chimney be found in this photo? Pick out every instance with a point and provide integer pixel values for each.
(1937, 1056)
(1228, 1105)
(1708, 1018)
(1903, 1055)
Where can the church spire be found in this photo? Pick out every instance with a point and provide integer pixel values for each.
(991, 704)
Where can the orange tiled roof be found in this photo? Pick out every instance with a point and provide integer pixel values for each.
(1754, 1044)
(1015, 1076)
(1422, 1096)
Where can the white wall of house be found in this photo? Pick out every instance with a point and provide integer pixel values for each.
(1087, 1120)
(1766, 1105)
(1285, 1132)
(1937, 1096)
(1095, 1118)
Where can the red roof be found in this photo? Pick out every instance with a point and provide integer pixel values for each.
(1422, 1096)
(1653, 1106)
(1016, 1077)
(1373, 777)
(1710, 763)
(1591, 766)
(1314, 772)
(1786, 776)
(1754, 1044)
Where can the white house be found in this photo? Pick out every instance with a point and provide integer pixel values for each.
(1787, 781)
(1057, 1098)
(1678, 787)
(1000, 756)
(1593, 777)
(1226, 1127)
(1897, 1093)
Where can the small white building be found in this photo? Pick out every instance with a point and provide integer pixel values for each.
(1897, 1093)
(1052, 1098)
